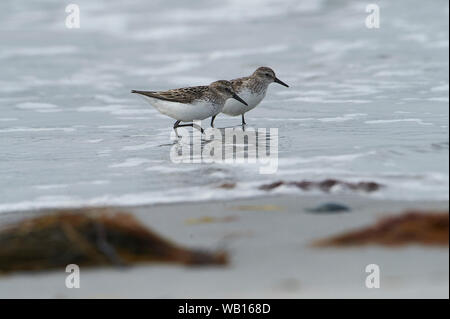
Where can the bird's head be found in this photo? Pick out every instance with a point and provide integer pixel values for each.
(267, 75)
(225, 90)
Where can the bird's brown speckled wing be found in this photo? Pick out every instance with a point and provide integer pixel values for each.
(239, 83)
(183, 95)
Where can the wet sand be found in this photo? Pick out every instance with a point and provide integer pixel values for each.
(269, 242)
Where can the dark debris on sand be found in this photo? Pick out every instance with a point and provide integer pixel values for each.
(227, 186)
(412, 227)
(90, 237)
(325, 185)
(329, 208)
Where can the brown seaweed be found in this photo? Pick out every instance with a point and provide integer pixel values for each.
(325, 185)
(227, 185)
(412, 227)
(90, 237)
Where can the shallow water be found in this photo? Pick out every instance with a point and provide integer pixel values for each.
(364, 104)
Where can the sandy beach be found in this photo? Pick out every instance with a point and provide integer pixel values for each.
(269, 243)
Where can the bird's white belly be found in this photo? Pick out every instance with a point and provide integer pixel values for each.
(234, 108)
(199, 110)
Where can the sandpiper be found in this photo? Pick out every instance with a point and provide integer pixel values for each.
(192, 103)
(253, 89)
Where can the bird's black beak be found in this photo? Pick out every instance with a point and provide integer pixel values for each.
(236, 97)
(276, 80)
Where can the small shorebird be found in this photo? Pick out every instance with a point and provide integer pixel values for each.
(192, 103)
(253, 89)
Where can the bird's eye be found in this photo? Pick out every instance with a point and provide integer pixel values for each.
(267, 74)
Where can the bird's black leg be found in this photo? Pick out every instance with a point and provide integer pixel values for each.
(243, 120)
(199, 128)
(193, 125)
(212, 120)
(177, 123)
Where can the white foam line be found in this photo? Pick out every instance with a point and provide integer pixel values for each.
(441, 88)
(345, 117)
(331, 158)
(418, 121)
(51, 186)
(130, 162)
(113, 126)
(149, 198)
(139, 147)
(439, 99)
(43, 51)
(36, 106)
(38, 129)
